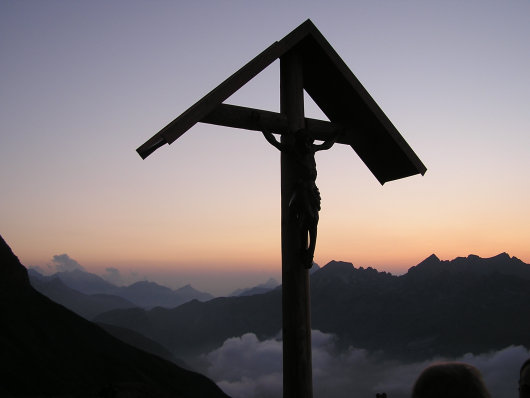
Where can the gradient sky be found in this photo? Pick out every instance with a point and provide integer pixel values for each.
(83, 84)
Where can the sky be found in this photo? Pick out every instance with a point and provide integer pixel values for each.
(83, 84)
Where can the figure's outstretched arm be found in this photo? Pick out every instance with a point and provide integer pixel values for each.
(328, 143)
(272, 140)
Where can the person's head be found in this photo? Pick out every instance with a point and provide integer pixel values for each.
(524, 380)
(450, 380)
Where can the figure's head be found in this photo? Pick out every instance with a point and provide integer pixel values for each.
(524, 380)
(450, 380)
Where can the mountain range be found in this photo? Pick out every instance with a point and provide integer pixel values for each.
(47, 350)
(269, 285)
(258, 289)
(449, 308)
(88, 294)
(438, 308)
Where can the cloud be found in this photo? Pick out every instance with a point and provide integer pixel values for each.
(63, 262)
(244, 351)
(246, 367)
(500, 369)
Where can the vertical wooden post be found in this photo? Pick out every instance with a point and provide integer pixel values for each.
(297, 370)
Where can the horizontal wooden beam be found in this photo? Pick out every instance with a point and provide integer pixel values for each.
(259, 120)
(241, 117)
(151, 145)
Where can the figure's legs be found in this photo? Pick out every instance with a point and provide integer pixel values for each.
(304, 244)
(310, 251)
(308, 240)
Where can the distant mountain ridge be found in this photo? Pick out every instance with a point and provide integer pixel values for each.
(501, 263)
(85, 305)
(99, 293)
(47, 350)
(437, 308)
(258, 289)
(150, 294)
(77, 279)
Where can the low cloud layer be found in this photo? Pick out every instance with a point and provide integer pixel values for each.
(245, 367)
(63, 263)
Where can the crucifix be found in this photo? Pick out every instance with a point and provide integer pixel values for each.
(307, 62)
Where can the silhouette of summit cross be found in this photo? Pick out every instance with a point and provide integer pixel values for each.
(307, 62)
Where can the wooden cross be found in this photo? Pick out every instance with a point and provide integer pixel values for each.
(307, 62)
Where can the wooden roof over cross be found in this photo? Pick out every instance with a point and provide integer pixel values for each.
(331, 85)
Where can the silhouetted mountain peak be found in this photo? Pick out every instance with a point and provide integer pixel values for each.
(148, 285)
(347, 269)
(269, 285)
(188, 292)
(338, 267)
(13, 276)
(343, 275)
(433, 258)
(432, 265)
(334, 272)
(471, 265)
(314, 268)
(503, 257)
(186, 289)
(85, 282)
(431, 261)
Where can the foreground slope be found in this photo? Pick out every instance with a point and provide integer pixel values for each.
(48, 350)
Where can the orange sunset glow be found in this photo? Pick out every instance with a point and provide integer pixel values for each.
(84, 87)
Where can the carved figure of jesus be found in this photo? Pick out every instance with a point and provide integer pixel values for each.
(304, 203)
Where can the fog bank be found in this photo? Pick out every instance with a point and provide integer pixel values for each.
(245, 367)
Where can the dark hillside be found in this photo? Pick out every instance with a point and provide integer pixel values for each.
(49, 351)
(197, 327)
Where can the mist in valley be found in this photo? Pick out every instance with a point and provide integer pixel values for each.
(245, 367)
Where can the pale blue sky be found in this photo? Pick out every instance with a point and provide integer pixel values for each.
(83, 84)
